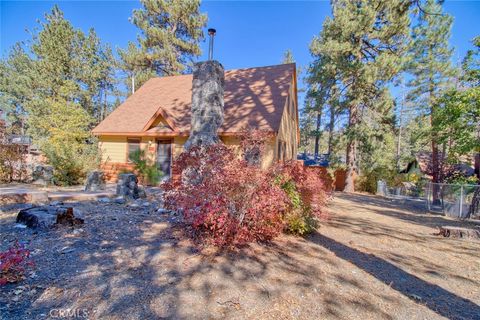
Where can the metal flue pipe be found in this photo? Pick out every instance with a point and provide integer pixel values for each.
(211, 33)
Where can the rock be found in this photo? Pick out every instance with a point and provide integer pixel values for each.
(127, 187)
(142, 193)
(48, 216)
(95, 181)
(42, 174)
(163, 211)
(77, 231)
(132, 185)
(119, 200)
(207, 103)
(104, 200)
(56, 203)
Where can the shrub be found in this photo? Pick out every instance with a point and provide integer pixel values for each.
(147, 172)
(306, 192)
(12, 159)
(367, 181)
(13, 264)
(225, 200)
(72, 161)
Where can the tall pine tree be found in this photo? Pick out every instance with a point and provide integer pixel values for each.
(170, 34)
(364, 43)
(431, 69)
(60, 86)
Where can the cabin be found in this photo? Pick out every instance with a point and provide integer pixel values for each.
(156, 118)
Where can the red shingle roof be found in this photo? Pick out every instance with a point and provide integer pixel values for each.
(254, 97)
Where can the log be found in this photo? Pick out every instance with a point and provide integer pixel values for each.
(458, 232)
(48, 216)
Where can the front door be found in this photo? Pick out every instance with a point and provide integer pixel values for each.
(164, 156)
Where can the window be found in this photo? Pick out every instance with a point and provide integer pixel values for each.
(133, 144)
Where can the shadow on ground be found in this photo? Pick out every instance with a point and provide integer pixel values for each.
(434, 297)
(135, 264)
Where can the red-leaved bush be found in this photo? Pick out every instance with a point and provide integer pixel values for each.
(225, 200)
(13, 264)
(308, 183)
(229, 200)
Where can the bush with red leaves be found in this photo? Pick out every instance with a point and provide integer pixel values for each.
(14, 263)
(229, 201)
(225, 200)
(309, 184)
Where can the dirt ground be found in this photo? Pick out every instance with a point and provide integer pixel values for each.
(372, 259)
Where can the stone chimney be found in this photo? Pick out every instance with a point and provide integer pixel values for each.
(207, 103)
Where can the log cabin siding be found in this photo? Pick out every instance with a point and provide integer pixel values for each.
(287, 138)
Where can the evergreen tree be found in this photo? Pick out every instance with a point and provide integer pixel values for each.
(323, 94)
(363, 44)
(16, 87)
(169, 40)
(457, 113)
(431, 69)
(61, 87)
(288, 57)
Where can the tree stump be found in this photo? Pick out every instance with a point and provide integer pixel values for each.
(48, 216)
(458, 232)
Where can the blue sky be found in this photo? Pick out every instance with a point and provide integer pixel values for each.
(249, 33)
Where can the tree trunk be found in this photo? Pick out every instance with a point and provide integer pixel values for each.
(351, 151)
(477, 153)
(435, 156)
(477, 165)
(330, 128)
(317, 131)
(400, 123)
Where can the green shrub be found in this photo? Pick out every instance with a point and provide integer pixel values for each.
(367, 181)
(147, 172)
(300, 223)
(458, 178)
(72, 161)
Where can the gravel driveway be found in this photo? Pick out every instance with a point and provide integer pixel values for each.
(372, 259)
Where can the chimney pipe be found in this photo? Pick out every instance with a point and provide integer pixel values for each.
(211, 32)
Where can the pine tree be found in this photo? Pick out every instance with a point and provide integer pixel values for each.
(288, 57)
(16, 87)
(363, 44)
(431, 69)
(60, 86)
(471, 76)
(169, 40)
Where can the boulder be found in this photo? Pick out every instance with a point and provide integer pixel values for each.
(104, 200)
(127, 187)
(95, 181)
(42, 175)
(48, 216)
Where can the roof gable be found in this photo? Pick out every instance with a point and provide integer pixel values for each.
(254, 97)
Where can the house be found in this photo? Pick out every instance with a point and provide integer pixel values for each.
(156, 118)
(422, 165)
